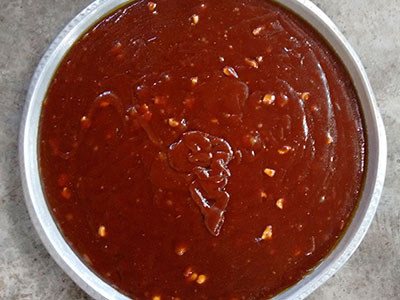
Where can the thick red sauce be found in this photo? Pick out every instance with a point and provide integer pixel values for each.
(202, 149)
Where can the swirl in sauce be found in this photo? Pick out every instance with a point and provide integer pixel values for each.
(205, 159)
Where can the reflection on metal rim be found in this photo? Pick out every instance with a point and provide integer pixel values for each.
(65, 256)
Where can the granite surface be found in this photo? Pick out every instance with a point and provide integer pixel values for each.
(26, 29)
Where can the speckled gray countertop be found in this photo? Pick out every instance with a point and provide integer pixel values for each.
(26, 269)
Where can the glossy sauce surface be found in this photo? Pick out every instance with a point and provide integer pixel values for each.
(202, 149)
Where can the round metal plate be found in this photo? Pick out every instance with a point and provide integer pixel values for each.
(62, 252)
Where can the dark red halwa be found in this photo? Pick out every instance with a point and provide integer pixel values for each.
(202, 149)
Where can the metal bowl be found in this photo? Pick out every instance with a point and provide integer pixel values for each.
(53, 238)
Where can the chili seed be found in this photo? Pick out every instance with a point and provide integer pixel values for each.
(268, 99)
(201, 279)
(85, 122)
(279, 203)
(305, 96)
(229, 71)
(180, 249)
(251, 62)
(284, 150)
(267, 234)
(269, 172)
(329, 139)
(193, 277)
(173, 123)
(195, 19)
(152, 6)
(257, 30)
(194, 80)
(102, 231)
(66, 193)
